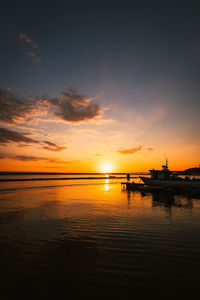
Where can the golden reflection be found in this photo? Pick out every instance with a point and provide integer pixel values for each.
(106, 187)
(78, 201)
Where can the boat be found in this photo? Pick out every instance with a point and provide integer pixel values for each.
(140, 187)
(170, 179)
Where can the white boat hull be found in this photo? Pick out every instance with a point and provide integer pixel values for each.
(172, 183)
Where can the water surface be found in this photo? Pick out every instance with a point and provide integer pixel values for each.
(93, 238)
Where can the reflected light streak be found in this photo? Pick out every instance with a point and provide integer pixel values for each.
(106, 187)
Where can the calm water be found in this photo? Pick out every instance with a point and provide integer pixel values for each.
(93, 238)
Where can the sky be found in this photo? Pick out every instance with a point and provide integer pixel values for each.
(99, 86)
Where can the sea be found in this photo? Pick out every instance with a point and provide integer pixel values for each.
(87, 236)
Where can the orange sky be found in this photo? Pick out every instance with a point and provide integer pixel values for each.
(37, 139)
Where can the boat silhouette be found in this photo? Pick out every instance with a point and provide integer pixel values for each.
(170, 179)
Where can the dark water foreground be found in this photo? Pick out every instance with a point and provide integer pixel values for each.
(94, 239)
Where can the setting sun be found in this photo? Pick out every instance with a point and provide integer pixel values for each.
(106, 167)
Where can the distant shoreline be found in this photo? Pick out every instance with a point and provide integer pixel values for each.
(190, 171)
(61, 178)
(57, 173)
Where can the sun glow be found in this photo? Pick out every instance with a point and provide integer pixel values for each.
(106, 167)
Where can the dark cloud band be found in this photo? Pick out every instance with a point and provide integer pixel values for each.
(8, 136)
(26, 158)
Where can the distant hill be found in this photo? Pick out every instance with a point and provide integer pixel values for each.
(192, 171)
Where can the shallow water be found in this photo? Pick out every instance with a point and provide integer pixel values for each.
(94, 238)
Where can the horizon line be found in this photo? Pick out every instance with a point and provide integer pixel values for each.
(60, 173)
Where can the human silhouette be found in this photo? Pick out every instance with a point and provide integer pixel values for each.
(128, 177)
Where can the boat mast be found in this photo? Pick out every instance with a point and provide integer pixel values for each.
(165, 167)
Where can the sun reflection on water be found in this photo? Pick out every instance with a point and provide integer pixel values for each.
(106, 187)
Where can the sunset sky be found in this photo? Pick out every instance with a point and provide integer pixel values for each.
(92, 86)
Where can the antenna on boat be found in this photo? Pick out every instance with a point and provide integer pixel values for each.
(165, 167)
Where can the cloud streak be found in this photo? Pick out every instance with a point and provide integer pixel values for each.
(9, 136)
(31, 47)
(31, 158)
(13, 109)
(53, 147)
(130, 150)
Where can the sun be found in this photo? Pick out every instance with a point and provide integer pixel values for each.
(106, 167)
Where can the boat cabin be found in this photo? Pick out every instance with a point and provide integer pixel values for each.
(165, 173)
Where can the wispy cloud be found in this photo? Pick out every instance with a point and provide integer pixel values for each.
(13, 109)
(130, 150)
(133, 150)
(150, 149)
(8, 136)
(52, 146)
(26, 158)
(32, 49)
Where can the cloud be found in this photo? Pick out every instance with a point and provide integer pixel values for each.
(53, 147)
(33, 158)
(13, 109)
(69, 107)
(8, 136)
(150, 149)
(25, 37)
(74, 108)
(130, 150)
(32, 48)
(134, 150)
